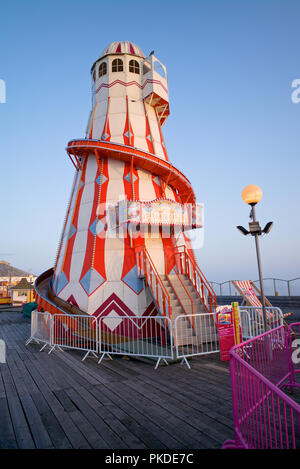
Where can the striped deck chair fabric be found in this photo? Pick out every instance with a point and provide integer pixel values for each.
(247, 291)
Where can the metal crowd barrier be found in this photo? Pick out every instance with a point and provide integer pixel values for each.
(75, 332)
(154, 337)
(149, 337)
(264, 416)
(64, 331)
(196, 334)
(140, 336)
(251, 320)
(41, 328)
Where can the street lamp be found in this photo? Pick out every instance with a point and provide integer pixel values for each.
(251, 195)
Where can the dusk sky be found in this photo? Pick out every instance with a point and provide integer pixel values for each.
(230, 68)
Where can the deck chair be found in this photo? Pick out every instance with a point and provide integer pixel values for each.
(249, 291)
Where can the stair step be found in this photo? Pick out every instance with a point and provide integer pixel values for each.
(175, 304)
(177, 309)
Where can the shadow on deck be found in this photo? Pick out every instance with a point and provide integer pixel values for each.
(56, 401)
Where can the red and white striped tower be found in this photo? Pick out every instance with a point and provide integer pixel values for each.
(122, 157)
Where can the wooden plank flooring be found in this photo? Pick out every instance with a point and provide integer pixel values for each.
(56, 401)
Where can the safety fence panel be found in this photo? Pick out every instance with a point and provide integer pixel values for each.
(142, 336)
(251, 320)
(268, 354)
(41, 327)
(264, 416)
(75, 332)
(196, 334)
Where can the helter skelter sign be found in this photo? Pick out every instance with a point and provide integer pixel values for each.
(164, 212)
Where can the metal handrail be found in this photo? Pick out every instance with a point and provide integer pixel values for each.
(274, 279)
(142, 257)
(186, 291)
(188, 260)
(178, 298)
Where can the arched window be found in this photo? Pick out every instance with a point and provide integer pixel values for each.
(94, 75)
(102, 69)
(117, 65)
(134, 66)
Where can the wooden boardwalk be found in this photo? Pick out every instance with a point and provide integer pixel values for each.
(56, 401)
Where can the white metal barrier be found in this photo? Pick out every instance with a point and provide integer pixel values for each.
(41, 328)
(154, 337)
(196, 334)
(251, 320)
(149, 337)
(75, 332)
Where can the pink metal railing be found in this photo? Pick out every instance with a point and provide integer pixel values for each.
(186, 265)
(264, 416)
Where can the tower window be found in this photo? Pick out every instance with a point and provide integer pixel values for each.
(134, 66)
(117, 65)
(94, 75)
(102, 69)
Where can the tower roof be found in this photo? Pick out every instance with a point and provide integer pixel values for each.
(123, 47)
(23, 285)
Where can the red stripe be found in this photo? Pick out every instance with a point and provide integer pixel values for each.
(129, 251)
(162, 139)
(130, 83)
(106, 129)
(128, 140)
(247, 289)
(148, 133)
(99, 259)
(69, 250)
(88, 259)
(168, 242)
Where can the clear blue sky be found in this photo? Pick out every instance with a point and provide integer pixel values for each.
(230, 68)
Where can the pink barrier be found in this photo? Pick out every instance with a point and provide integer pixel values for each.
(265, 417)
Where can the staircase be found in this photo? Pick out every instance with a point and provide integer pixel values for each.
(186, 294)
(186, 302)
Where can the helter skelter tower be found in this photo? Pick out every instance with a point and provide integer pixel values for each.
(123, 242)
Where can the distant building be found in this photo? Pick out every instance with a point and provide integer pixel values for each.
(16, 283)
(22, 292)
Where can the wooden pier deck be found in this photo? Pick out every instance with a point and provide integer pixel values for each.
(56, 401)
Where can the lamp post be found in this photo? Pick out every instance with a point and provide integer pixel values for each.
(251, 195)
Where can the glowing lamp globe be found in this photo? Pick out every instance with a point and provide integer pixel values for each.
(252, 194)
